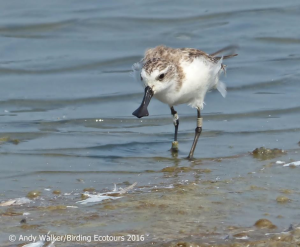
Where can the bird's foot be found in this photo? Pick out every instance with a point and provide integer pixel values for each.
(190, 157)
(174, 147)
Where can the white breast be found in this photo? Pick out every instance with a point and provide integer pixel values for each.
(200, 77)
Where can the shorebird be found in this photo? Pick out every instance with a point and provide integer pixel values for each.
(180, 76)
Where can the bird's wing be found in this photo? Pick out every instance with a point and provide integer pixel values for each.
(229, 50)
(191, 53)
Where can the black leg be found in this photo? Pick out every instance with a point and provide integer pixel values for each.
(198, 131)
(176, 124)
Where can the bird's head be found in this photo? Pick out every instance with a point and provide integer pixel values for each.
(158, 75)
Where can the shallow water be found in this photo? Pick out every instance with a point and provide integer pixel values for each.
(66, 103)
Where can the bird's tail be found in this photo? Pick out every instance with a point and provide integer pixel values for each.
(229, 52)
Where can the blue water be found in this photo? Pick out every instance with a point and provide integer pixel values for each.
(65, 65)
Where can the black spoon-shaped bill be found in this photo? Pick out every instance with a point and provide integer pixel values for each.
(142, 111)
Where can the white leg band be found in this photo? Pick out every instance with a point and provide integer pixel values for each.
(175, 118)
(199, 122)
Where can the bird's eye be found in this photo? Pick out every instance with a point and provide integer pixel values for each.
(161, 77)
(141, 78)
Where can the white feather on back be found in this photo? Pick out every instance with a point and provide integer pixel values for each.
(136, 69)
(221, 86)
